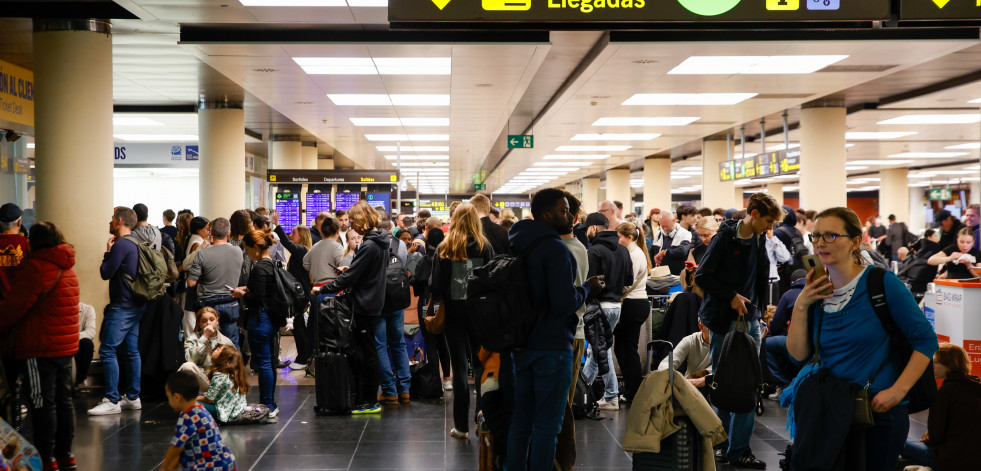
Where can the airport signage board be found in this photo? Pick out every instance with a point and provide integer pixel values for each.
(364, 177)
(519, 141)
(940, 10)
(769, 164)
(16, 94)
(941, 194)
(633, 11)
(166, 154)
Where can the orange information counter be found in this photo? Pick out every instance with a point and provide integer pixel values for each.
(955, 310)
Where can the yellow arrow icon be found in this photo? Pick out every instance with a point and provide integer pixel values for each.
(940, 3)
(442, 3)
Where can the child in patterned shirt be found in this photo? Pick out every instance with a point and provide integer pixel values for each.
(197, 443)
(225, 398)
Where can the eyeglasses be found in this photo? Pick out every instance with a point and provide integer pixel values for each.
(828, 237)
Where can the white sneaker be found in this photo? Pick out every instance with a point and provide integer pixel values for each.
(612, 404)
(130, 404)
(776, 395)
(917, 468)
(459, 435)
(106, 407)
(274, 414)
(298, 366)
(447, 385)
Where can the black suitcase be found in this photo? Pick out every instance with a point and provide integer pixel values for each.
(682, 450)
(333, 384)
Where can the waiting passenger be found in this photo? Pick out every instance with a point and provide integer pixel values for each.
(298, 244)
(199, 346)
(694, 352)
(961, 260)
(635, 310)
(197, 443)
(671, 245)
(86, 349)
(949, 227)
(212, 269)
(973, 221)
(227, 385)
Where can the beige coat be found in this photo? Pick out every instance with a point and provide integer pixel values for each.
(651, 416)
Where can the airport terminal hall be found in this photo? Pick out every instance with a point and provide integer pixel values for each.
(490, 235)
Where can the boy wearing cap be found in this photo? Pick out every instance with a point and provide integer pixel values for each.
(948, 225)
(14, 247)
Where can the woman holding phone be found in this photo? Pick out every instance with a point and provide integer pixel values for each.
(854, 345)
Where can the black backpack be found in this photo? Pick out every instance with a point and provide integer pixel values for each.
(499, 301)
(584, 403)
(289, 298)
(738, 379)
(796, 247)
(397, 293)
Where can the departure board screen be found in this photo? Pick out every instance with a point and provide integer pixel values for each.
(316, 202)
(380, 199)
(288, 208)
(346, 200)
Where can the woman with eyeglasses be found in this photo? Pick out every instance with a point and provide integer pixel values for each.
(853, 343)
(705, 228)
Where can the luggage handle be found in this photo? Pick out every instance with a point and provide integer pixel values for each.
(650, 356)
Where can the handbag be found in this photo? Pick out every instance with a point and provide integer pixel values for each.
(7, 345)
(435, 323)
(862, 412)
(424, 380)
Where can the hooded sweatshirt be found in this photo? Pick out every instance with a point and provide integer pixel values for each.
(953, 423)
(366, 275)
(607, 257)
(44, 312)
(552, 274)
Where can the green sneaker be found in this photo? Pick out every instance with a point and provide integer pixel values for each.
(368, 409)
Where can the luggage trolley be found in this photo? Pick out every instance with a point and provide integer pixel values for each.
(652, 329)
(680, 451)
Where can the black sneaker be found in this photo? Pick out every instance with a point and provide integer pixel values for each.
(748, 461)
(720, 455)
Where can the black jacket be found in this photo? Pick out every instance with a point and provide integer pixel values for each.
(607, 257)
(723, 270)
(785, 309)
(599, 334)
(366, 276)
(496, 235)
(954, 423)
(948, 238)
(442, 274)
(295, 265)
(898, 236)
(681, 318)
(915, 270)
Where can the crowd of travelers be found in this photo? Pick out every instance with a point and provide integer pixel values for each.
(589, 275)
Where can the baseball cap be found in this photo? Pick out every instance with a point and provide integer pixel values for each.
(596, 219)
(729, 212)
(10, 212)
(940, 217)
(798, 274)
(654, 210)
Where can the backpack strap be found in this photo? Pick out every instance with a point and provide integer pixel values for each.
(877, 294)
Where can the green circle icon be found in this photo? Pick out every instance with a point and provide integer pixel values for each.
(708, 7)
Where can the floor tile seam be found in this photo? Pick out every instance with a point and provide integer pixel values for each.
(120, 429)
(615, 439)
(285, 426)
(358, 446)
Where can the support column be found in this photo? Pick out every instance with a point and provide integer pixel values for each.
(657, 184)
(618, 187)
(776, 191)
(285, 152)
(715, 193)
(308, 156)
(917, 210)
(73, 131)
(221, 179)
(975, 196)
(325, 164)
(823, 157)
(590, 194)
(738, 197)
(894, 193)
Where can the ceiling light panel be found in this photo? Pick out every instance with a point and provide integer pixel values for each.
(965, 146)
(687, 99)
(592, 148)
(880, 162)
(407, 137)
(577, 157)
(421, 164)
(374, 66)
(875, 136)
(418, 157)
(407, 122)
(414, 148)
(928, 155)
(627, 121)
(957, 118)
(414, 65)
(157, 137)
(134, 121)
(559, 164)
(616, 137)
(772, 65)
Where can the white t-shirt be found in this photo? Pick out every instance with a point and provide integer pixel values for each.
(841, 296)
(639, 261)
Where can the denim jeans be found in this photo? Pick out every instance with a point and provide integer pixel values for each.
(54, 416)
(611, 388)
(121, 329)
(228, 320)
(884, 442)
(738, 426)
(917, 452)
(390, 344)
(778, 360)
(261, 339)
(541, 389)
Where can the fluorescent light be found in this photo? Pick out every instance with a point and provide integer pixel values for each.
(134, 121)
(687, 99)
(577, 157)
(690, 169)
(31, 145)
(157, 137)
(920, 185)
(665, 121)
(775, 65)
(975, 101)
(418, 157)
(421, 164)
(958, 118)
(336, 65)
(408, 122)
(616, 137)
(358, 99)
(559, 169)
(294, 3)
(855, 167)
(680, 177)
(558, 164)
(591, 148)
(875, 136)
(407, 137)
(413, 65)
(880, 162)
(376, 121)
(414, 148)
(965, 146)
(951, 172)
(372, 66)
(928, 155)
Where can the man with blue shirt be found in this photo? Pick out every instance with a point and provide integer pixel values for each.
(121, 326)
(543, 366)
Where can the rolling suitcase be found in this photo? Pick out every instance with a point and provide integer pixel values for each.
(333, 384)
(680, 451)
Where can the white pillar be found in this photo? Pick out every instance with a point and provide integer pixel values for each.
(894, 194)
(221, 179)
(775, 190)
(285, 155)
(738, 197)
(73, 131)
(823, 157)
(325, 164)
(917, 210)
(716, 193)
(618, 187)
(657, 184)
(590, 194)
(308, 156)
(975, 196)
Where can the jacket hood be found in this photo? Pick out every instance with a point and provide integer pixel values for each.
(790, 219)
(608, 239)
(379, 237)
(62, 256)
(728, 228)
(972, 383)
(435, 237)
(527, 231)
(799, 283)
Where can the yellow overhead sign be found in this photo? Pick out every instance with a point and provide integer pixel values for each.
(16, 94)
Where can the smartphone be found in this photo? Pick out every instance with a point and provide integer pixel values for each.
(229, 288)
(332, 266)
(690, 264)
(813, 262)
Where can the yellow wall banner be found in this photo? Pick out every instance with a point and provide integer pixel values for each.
(16, 94)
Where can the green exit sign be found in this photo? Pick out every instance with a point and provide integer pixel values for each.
(941, 194)
(518, 141)
(479, 186)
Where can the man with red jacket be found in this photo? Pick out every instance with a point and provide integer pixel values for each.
(43, 318)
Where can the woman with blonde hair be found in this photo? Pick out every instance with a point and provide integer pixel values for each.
(635, 310)
(464, 248)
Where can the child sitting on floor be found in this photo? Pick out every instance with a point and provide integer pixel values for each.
(197, 444)
(225, 399)
(200, 345)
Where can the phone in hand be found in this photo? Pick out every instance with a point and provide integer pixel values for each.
(336, 270)
(813, 262)
(229, 288)
(691, 265)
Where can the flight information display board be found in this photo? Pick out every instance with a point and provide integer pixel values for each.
(380, 199)
(346, 200)
(631, 11)
(765, 165)
(940, 10)
(316, 202)
(288, 208)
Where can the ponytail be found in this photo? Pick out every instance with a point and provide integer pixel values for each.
(629, 229)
